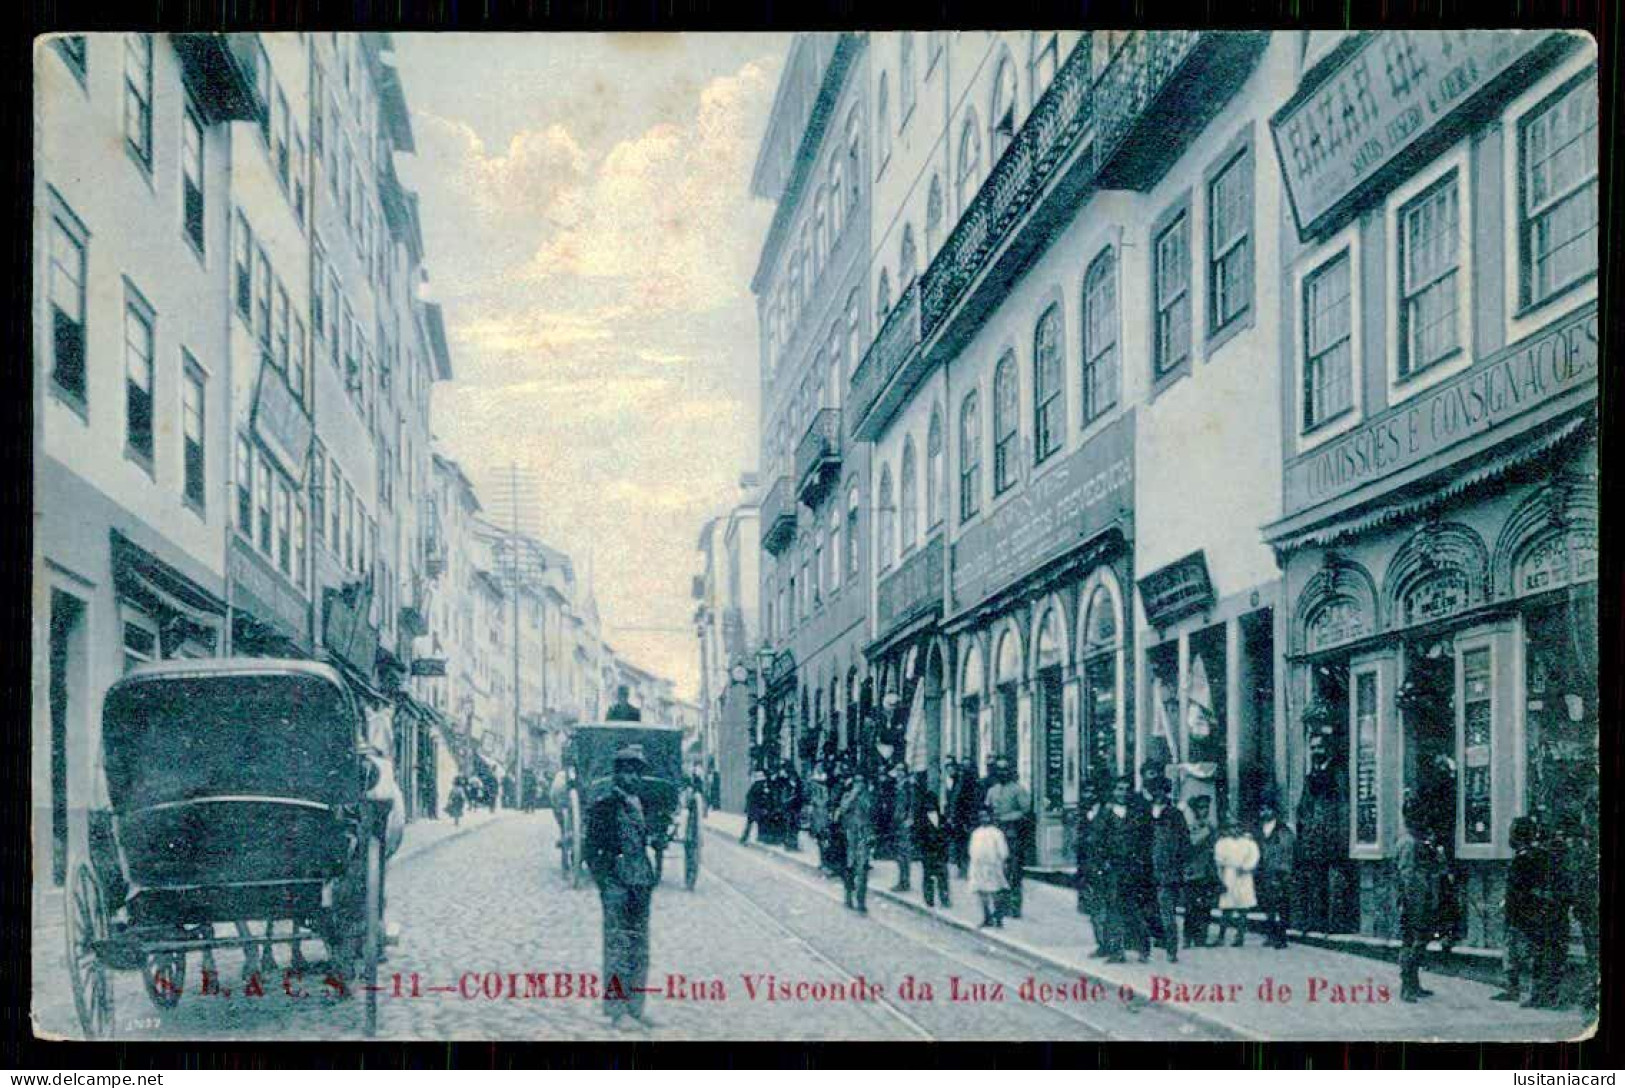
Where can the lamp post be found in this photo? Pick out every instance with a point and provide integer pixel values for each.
(764, 662)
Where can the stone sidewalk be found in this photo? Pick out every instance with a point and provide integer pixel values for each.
(1333, 995)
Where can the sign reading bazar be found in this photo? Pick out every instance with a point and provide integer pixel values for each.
(1387, 92)
(1494, 391)
(1060, 508)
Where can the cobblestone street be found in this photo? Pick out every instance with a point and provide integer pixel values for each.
(491, 900)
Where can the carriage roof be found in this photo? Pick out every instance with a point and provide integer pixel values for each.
(230, 726)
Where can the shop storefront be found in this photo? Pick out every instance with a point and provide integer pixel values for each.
(1041, 662)
(1208, 670)
(1439, 530)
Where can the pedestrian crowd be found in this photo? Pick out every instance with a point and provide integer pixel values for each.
(1152, 873)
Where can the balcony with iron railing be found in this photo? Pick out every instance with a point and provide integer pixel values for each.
(913, 590)
(818, 457)
(778, 516)
(1122, 129)
(1159, 90)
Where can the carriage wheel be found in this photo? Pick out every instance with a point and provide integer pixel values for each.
(578, 839)
(86, 926)
(691, 846)
(373, 935)
(164, 975)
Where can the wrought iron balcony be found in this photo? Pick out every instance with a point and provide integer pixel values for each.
(778, 516)
(873, 395)
(1158, 91)
(219, 68)
(818, 457)
(1053, 130)
(913, 590)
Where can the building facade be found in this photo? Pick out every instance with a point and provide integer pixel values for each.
(811, 285)
(1438, 529)
(250, 255)
(726, 623)
(133, 403)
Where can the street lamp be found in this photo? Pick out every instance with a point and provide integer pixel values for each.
(764, 662)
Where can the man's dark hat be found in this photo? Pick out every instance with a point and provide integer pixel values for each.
(631, 753)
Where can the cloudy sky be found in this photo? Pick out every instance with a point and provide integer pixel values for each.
(591, 236)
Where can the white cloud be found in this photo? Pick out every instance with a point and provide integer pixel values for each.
(669, 212)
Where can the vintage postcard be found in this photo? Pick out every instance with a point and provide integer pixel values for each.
(949, 535)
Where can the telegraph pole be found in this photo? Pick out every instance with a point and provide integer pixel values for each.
(517, 491)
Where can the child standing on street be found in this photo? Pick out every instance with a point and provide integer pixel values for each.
(1236, 854)
(989, 851)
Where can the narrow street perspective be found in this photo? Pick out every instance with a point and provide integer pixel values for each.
(843, 535)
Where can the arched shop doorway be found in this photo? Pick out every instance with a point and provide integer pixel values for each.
(1049, 659)
(973, 746)
(1101, 658)
(1008, 738)
(935, 681)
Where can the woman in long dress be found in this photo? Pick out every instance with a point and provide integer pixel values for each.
(1236, 854)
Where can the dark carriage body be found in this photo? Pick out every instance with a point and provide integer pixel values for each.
(235, 787)
(239, 793)
(671, 811)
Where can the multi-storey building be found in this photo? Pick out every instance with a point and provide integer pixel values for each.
(726, 626)
(811, 284)
(1438, 529)
(244, 254)
(133, 405)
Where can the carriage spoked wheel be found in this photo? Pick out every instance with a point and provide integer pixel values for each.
(87, 926)
(164, 976)
(372, 937)
(691, 845)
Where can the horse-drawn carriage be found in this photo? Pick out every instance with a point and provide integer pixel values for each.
(671, 808)
(241, 790)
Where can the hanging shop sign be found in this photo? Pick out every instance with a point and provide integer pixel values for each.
(258, 589)
(280, 422)
(346, 631)
(1389, 91)
(428, 666)
(1490, 394)
(1177, 590)
(1059, 509)
(782, 671)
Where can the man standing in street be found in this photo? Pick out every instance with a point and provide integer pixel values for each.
(964, 809)
(1275, 849)
(1121, 843)
(617, 855)
(1420, 866)
(856, 819)
(903, 808)
(1201, 872)
(755, 806)
(1011, 805)
(1088, 877)
(1170, 844)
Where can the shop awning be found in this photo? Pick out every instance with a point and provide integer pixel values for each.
(1488, 470)
(143, 578)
